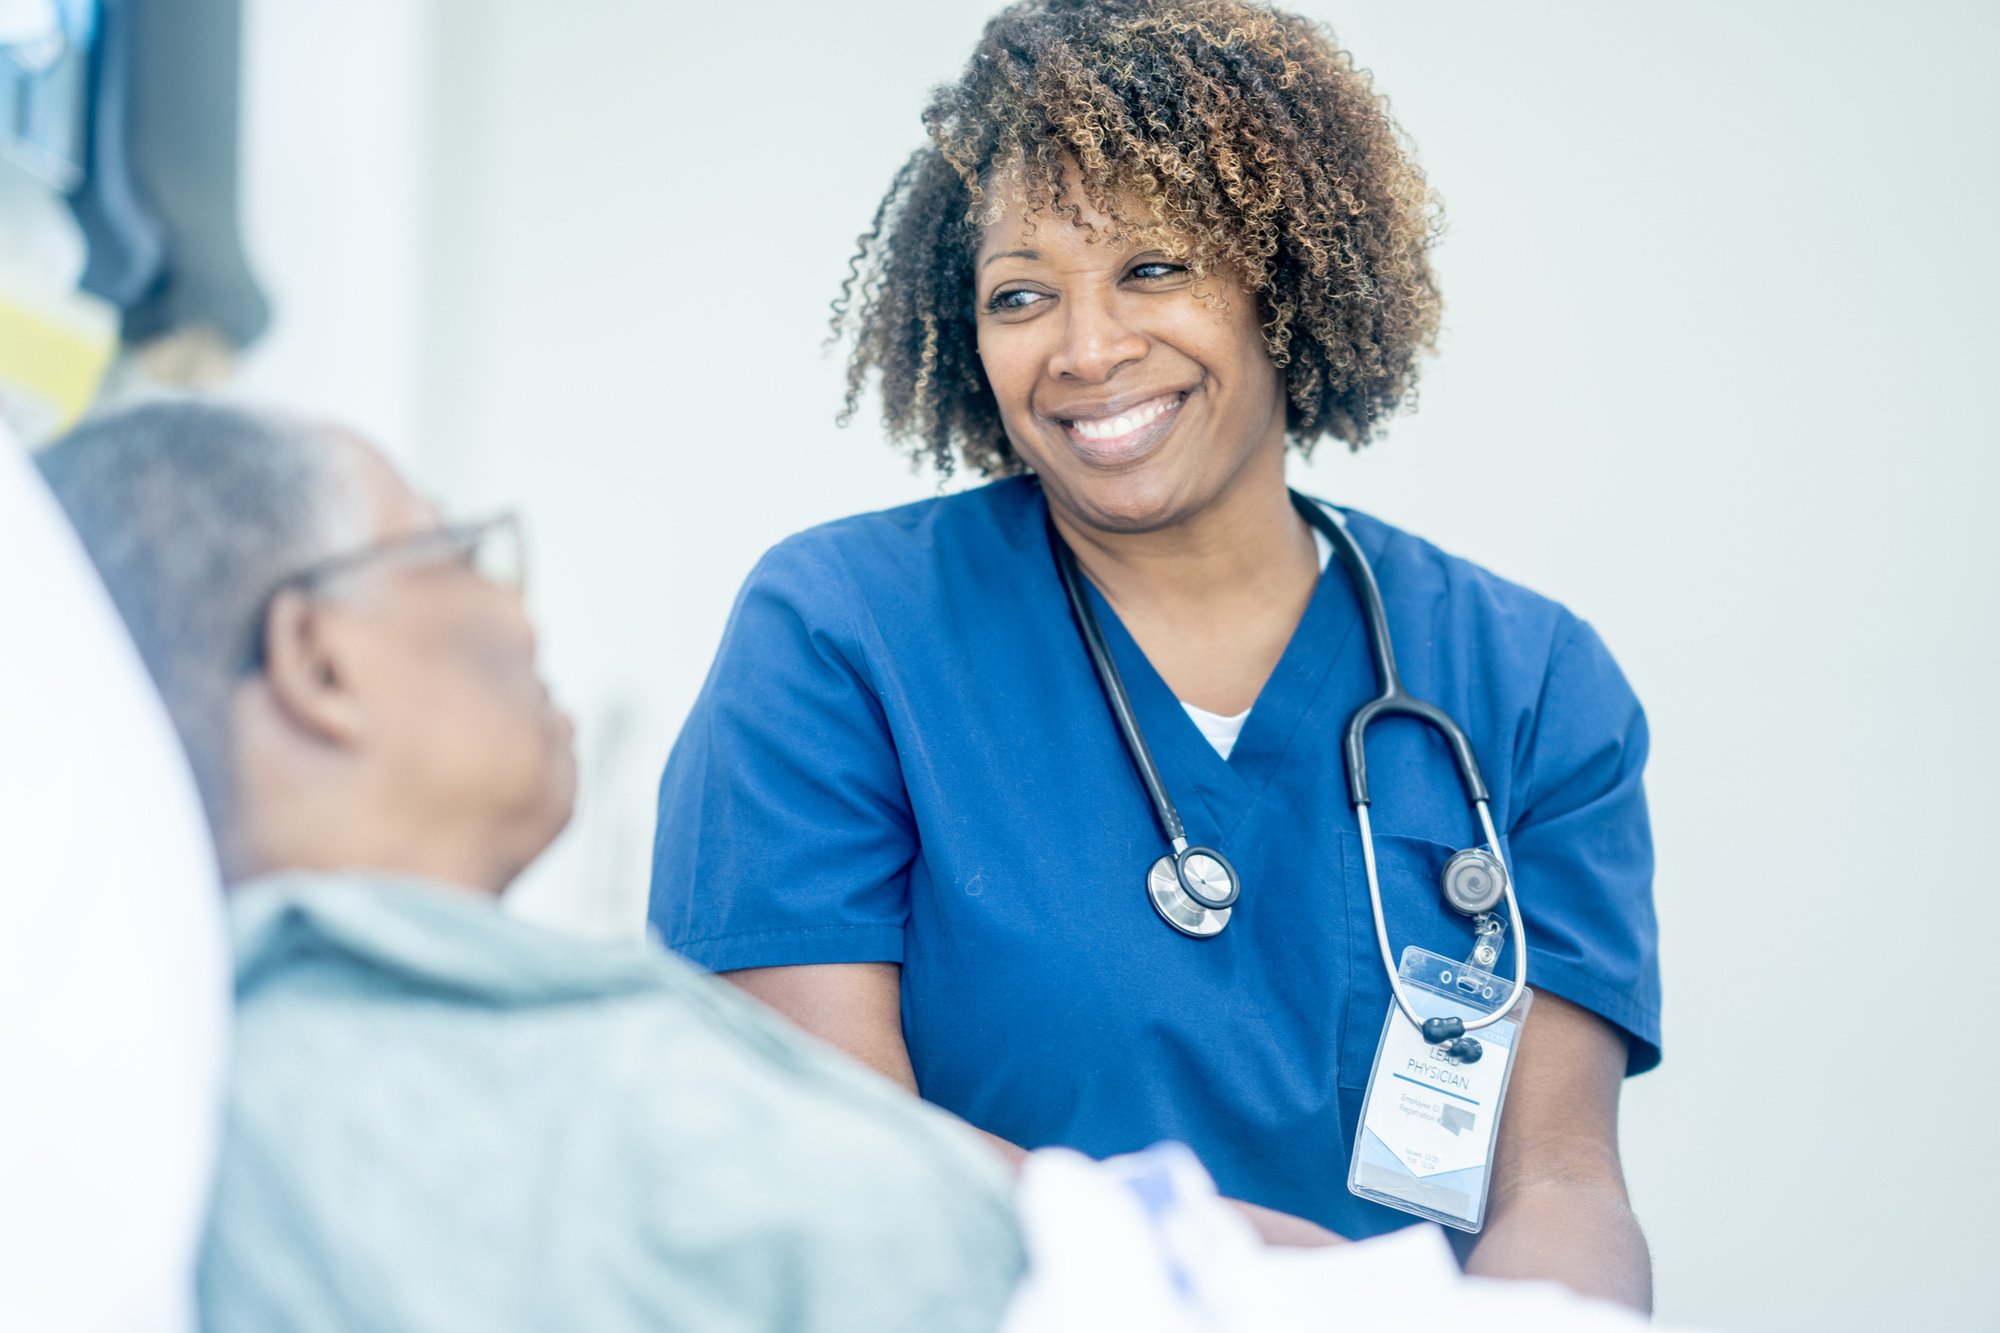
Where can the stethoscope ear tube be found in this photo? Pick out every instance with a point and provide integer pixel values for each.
(1395, 700)
(1114, 692)
(1202, 876)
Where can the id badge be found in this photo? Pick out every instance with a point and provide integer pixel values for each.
(1425, 1142)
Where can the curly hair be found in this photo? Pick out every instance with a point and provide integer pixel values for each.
(1259, 151)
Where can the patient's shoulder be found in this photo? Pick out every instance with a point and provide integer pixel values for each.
(501, 1075)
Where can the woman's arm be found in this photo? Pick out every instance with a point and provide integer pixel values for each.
(1558, 1208)
(858, 1007)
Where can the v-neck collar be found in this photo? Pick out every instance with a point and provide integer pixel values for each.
(1198, 778)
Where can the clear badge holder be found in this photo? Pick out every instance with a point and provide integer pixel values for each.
(1428, 1126)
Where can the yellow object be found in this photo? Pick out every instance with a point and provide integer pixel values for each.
(51, 363)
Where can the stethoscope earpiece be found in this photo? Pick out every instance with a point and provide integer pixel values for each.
(1449, 1033)
(1438, 1031)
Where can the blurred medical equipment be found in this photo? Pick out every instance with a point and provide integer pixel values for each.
(118, 203)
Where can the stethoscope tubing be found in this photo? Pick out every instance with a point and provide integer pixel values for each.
(1393, 700)
(1395, 973)
(1114, 692)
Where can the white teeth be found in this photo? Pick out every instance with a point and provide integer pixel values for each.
(1124, 425)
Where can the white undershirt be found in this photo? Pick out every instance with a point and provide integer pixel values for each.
(1221, 730)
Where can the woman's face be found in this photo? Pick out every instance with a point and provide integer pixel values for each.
(1139, 403)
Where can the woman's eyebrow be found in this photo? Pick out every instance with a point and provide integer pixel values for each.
(1011, 254)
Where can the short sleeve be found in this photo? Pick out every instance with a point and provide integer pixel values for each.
(1582, 845)
(784, 833)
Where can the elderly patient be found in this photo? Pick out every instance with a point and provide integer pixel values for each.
(441, 1117)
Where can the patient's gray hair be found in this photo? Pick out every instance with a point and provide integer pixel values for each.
(193, 512)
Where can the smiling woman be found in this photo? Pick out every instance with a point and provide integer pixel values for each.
(1241, 139)
(1151, 245)
(1067, 316)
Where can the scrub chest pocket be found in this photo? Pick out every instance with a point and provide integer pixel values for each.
(1409, 870)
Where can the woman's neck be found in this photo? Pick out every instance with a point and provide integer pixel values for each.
(1247, 546)
(1212, 600)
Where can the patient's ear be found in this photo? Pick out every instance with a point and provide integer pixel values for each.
(305, 671)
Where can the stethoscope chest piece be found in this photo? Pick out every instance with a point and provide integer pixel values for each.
(1176, 906)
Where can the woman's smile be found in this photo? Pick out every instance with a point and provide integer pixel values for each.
(1119, 432)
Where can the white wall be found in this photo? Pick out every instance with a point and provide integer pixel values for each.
(335, 203)
(1720, 292)
(1720, 306)
(634, 249)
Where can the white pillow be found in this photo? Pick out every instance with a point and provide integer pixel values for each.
(114, 982)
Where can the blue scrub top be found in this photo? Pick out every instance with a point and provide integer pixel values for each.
(902, 755)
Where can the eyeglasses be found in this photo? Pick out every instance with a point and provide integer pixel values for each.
(493, 548)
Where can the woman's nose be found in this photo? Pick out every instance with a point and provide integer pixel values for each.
(1096, 341)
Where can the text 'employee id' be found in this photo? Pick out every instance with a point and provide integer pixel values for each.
(1425, 1143)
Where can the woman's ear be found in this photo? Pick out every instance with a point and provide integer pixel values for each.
(304, 669)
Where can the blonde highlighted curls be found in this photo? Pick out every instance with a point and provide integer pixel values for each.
(1241, 127)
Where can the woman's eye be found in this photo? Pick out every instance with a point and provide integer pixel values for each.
(1155, 269)
(1013, 298)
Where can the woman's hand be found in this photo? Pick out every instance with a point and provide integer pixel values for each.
(1282, 1229)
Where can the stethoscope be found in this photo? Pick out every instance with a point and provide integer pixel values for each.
(1195, 888)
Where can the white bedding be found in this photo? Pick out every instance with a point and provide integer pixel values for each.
(113, 975)
(1144, 1242)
